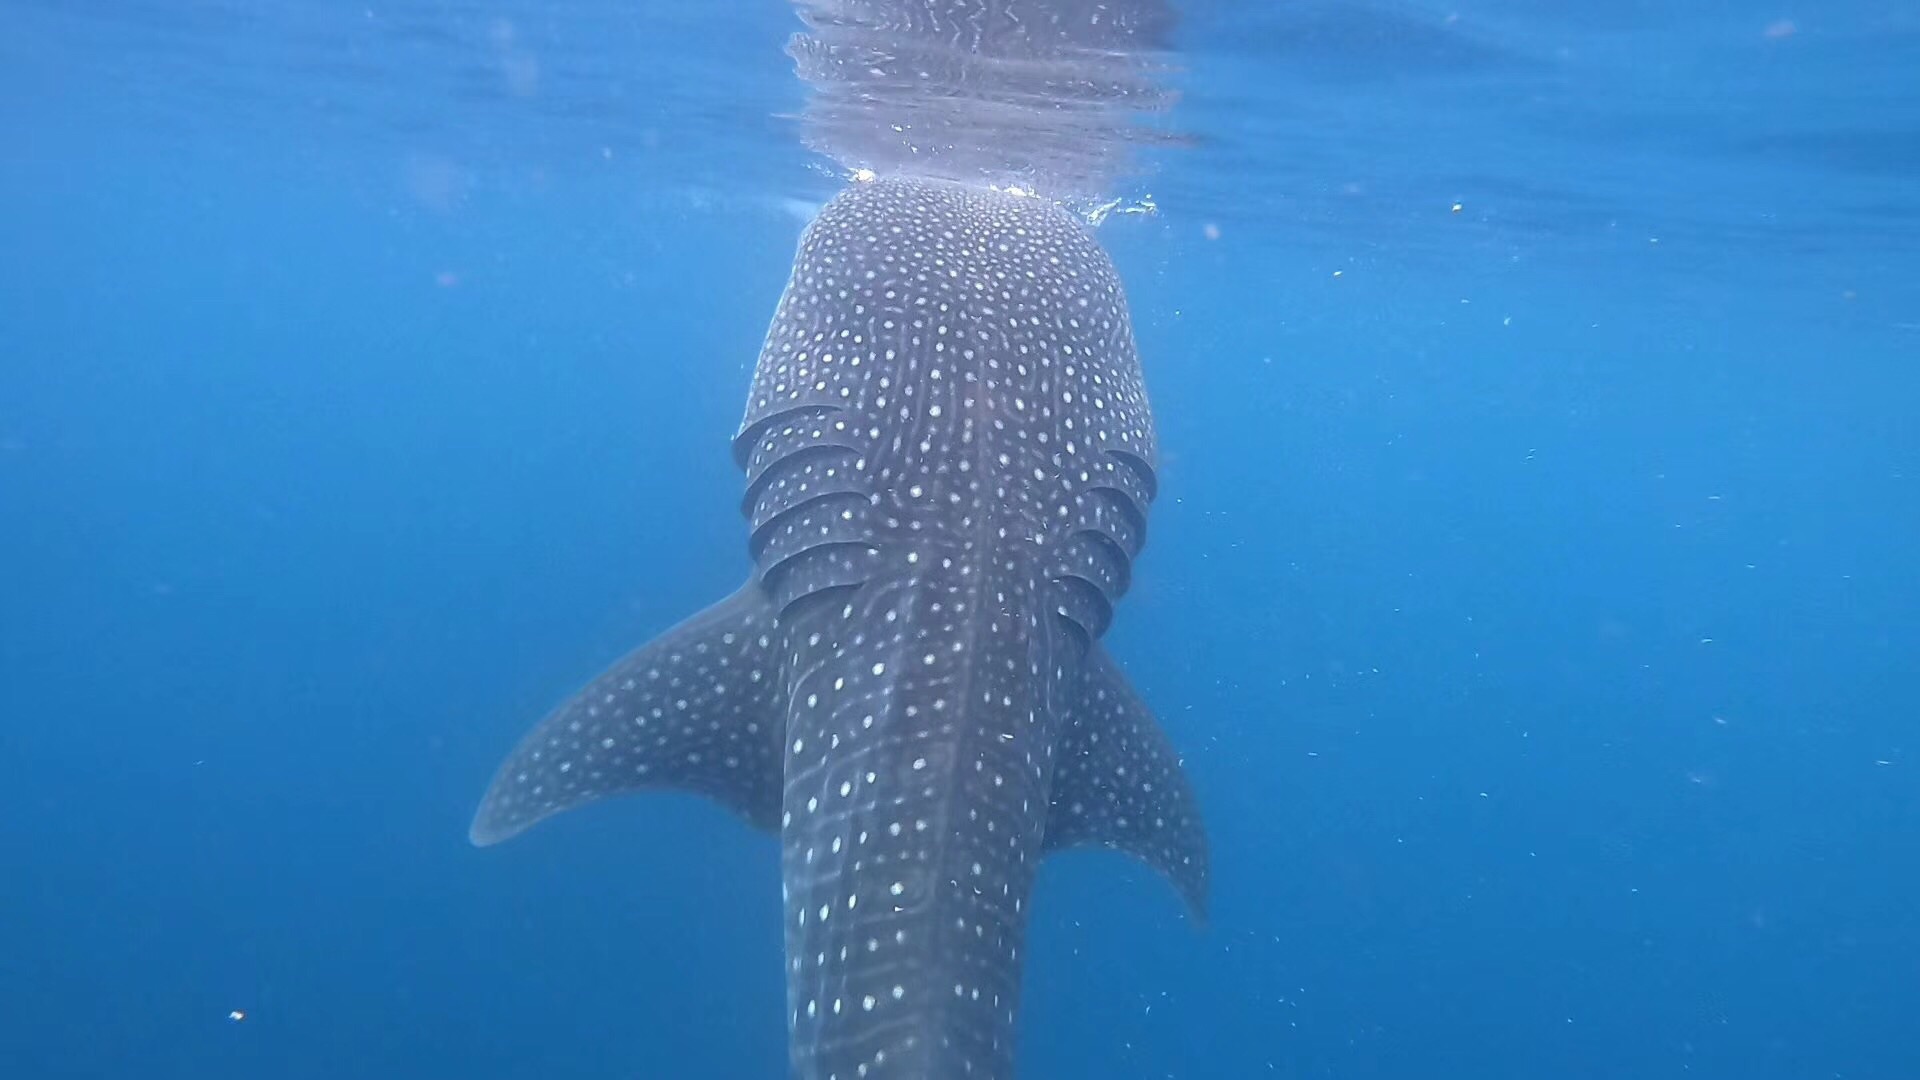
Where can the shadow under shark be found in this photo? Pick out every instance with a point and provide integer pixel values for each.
(949, 460)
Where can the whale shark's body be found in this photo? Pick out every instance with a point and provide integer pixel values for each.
(949, 459)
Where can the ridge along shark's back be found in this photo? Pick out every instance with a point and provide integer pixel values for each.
(951, 369)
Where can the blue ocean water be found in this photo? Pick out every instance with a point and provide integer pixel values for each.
(1533, 587)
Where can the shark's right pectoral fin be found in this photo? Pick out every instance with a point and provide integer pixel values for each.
(1118, 783)
(695, 709)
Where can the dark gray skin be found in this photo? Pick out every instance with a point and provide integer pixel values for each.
(949, 460)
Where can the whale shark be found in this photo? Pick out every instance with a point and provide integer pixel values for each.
(949, 459)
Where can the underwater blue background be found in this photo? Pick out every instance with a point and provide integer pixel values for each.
(1533, 588)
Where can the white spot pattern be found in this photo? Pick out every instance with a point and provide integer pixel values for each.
(949, 457)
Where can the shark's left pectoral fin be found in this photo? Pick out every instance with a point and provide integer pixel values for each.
(695, 709)
(1118, 783)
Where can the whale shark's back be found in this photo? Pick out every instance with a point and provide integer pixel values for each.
(949, 366)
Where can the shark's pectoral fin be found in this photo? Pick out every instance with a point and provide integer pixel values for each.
(694, 709)
(1118, 783)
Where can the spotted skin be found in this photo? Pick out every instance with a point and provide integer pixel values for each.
(949, 459)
